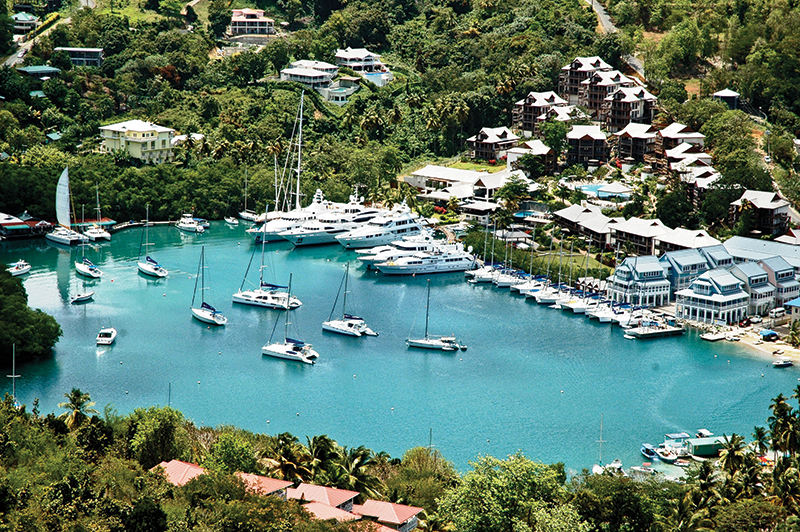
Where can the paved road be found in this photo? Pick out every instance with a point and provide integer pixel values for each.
(608, 27)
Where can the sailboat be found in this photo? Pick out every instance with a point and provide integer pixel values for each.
(289, 349)
(85, 266)
(205, 312)
(445, 343)
(84, 295)
(62, 234)
(267, 294)
(149, 266)
(348, 324)
(95, 232)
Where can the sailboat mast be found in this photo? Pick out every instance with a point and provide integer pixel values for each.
(344, 300)
(286, 321)
(263, 241)
(533, 248)
(601, 441)
(199, 270)
(571, 247)
(203, 274)
(83, 223)
(299, 149)
(97, 195)
(245, 189)
(427, 309)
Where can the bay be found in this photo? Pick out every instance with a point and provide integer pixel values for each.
(533, 379)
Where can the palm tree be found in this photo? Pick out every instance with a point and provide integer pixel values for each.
(794, 336)
(780, 423)
(287, 458)
(355, 465)
(761, 440)
(78, 406)
(323, 452)
(732, 457)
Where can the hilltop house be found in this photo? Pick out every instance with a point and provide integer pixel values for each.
(83, 56)
(636, 141)
(535, 148)
(150, 143)
(771, 212)
(629, 104)
(597, 87)
(250, 22)
(535, 104)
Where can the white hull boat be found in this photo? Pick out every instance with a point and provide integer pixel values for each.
(294, 219)
(382, 230)
(290, 349)
(19, 268)
(441, 343)
(149, 266)
(273, 297)
(82, 297)
(62, 235)
(230, 220)
(348, 324)
(95, 233)
(205, 312)
(448, 258)
(188, 224)
(87, 268)
(106, 336)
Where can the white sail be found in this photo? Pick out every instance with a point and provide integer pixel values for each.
(62, 200)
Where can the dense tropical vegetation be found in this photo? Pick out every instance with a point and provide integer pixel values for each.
(81, 470)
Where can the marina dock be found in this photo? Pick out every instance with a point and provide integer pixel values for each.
(655, 331)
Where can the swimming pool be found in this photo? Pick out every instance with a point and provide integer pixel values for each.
(594, 190)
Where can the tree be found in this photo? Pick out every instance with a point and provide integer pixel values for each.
(191, 15)
(146, 516)
(555, 135)
(32, 331)
(78, 405)
(761, 440)
(498, 494)
(532, 165)
(675, 210)
(732, 457)
(231, 453)
(156, 435)
(219, 17)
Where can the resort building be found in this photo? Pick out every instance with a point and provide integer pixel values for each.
(478, 211)
(717, 256)
(597, 87)
(250, 22)
(434, 177)
(716, 297)
(639, 281)
(586, 144)
(22, 226)
(561, 113)
(535, 104)
(486, 185)
(781, 275)
(629, 104)
(41, 72)
(698, 180)
(638, 234)
(771, 212)
(598, 229)
(570, 217)
(635, 142)
(323, 512)
(147, 142)
(179, 473)
(743, 249)
(24, 22)
(571, 76)
(683, 267)
(336, 498)
(535, 148)
(680, 238)
(83, 56)
(491, 143)
(322, 66)
(395, 516)
(757, 285)
(793, 309)
(264, 485)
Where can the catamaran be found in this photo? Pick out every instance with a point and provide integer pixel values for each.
(290, 348)
(85, 266)
(149, 266)
(348, 324)
(444, 343)
(205, 312)
(95, 232)
(62, 234)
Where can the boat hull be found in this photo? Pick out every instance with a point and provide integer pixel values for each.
(106, 336)
(206, 316)
(348, 327)
(19, 268)
(153, 271)
(289, 351)
(267, 299)
(82, 298)
(440, 344)
(95, 233)
(400, 269)
(66, 237)
(88, 271)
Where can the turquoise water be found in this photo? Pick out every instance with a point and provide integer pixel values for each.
(593, 190)
(533, 378)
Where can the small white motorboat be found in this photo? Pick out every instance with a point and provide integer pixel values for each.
(82, 297)
(106, 336)
(19, 268)
(189, 224)
(782, 363)
(230, 220)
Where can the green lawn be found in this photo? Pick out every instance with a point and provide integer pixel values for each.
(480, 167)
(128, 8)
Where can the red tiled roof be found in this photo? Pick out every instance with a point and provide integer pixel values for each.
(330, 496)
(386, 512)
(263, 485)
(323, 512)
(179, 473)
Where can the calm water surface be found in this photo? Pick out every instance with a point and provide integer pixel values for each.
(533, 379)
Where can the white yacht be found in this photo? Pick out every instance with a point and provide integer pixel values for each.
(190, 225)
(446, 258)
(443, 343)
(62, 235)
(382, 230)
(348, 324)
(148, 266)
(205, 312)
(289, 349)
(398, 249)
(294, 219)
(95, 232)
(267, 295)
(328, 226)
(106, 336)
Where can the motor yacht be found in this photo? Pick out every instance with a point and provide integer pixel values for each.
(106, 336)
(398, 249)
(87, 268)
(445, 258)
(190, 225)
(382, 230)
(95, 233)
(19, 268)
(271, 230)
(328, 226)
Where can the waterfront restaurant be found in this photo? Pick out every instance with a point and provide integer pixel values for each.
(716, 297)
(683, 267)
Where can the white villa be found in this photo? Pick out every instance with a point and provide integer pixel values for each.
(145, 141)
(639, 281)
(364, 63)
(250, 22)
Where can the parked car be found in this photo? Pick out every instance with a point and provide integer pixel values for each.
(745, 322)
(767, 159)
(756, 319)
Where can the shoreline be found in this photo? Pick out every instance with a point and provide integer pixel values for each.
(750, 337)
